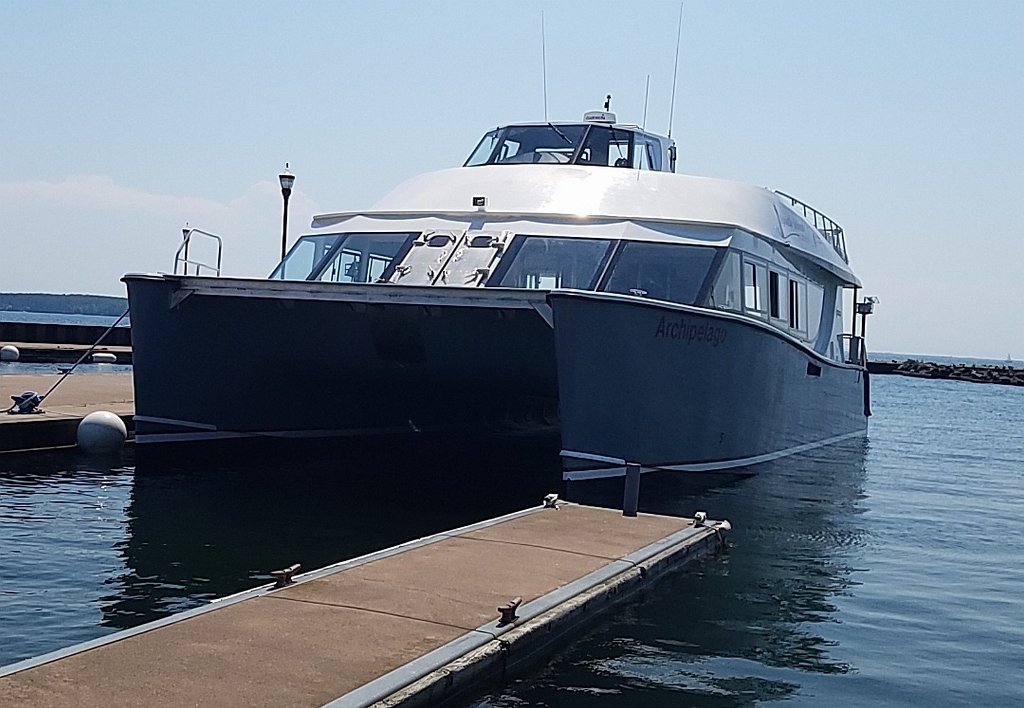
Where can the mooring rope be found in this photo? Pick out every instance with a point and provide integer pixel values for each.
(80, 360)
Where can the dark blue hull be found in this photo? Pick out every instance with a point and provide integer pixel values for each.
(217, 359)
(684, 388)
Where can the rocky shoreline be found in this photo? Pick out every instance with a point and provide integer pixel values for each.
(1006, 375)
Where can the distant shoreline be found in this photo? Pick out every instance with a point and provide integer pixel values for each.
(63, 304)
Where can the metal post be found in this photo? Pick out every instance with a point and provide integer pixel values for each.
(284, 226)
(631, 494)
(287, 179)
(853, 320)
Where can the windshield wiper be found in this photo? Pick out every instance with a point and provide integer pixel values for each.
(561, 134)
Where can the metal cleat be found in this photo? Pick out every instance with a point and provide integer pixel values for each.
(27, 402)
(283, 577)
(508, 611)
(551, 501)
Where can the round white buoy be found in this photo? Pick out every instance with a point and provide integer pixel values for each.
(9, 352)
(101, 431)
(104, 358)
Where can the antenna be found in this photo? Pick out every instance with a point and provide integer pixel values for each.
(608, 102)
(647, 95)
(675, 71)
(544, 63)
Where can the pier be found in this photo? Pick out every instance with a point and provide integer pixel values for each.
(76, 397)
(414, 625)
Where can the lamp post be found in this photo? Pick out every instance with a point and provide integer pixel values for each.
(287, 180)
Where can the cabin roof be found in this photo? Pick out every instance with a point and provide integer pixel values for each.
(580, 192)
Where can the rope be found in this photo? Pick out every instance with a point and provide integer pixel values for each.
(81, 358)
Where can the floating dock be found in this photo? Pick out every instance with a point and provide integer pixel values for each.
(76, 397)
(415, 625)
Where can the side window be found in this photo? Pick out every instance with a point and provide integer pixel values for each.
(726, 293)
(778, 300)
(304, 256)
(797, 306)
(642, 155)
(755, 276)
(815, 300)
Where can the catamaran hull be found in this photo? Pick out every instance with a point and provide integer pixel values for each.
(681, 388)
(220, 358)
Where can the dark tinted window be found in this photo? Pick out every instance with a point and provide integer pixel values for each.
(660, 270)
(548, 263)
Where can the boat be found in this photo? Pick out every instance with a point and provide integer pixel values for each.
(564, 281)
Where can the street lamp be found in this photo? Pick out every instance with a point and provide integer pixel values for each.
(287, 180)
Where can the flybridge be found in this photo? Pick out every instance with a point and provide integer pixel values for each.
(597, 141)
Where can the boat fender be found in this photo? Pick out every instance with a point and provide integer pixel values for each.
(9, 352)
(101, 432)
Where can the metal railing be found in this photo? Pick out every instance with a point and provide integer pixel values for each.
(181, 257)
(853, 349)
(830, 230)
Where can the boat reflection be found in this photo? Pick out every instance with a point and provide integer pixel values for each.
(744, 627)
(218, 525)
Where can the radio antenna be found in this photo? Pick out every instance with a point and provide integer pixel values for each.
(647, 95)
(675, 71)
(544, 63)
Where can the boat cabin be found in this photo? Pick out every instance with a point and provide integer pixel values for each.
(598, 140)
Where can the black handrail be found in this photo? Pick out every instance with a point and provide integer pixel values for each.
(829, 229)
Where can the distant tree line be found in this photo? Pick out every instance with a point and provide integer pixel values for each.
(102, 305)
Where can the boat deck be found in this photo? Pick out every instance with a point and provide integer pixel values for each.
(76, 397)
(412, 625)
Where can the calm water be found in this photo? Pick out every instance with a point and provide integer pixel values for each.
(60, 318)
(886, 572)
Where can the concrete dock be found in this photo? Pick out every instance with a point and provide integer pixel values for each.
(417, 624)
(76, 397)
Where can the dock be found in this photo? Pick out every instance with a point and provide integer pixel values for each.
(419, 624)
(76, 397)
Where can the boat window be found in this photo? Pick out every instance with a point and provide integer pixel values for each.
(797, 305)
(815, 300)
(362, 257)
(777, 296)
(754, 277)
(607, 147)
(539, 262)
(653, 148)
(662, 271)
(726, 293)
(520, 144)
(484, 150)
(304, 255)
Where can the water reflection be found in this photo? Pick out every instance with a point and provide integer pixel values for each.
(204, 528)
(741, 628)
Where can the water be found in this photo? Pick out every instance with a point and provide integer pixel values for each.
(60, 318)
(884, 572)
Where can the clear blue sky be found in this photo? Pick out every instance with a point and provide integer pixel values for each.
(120, 121)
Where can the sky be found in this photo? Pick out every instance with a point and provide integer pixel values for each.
(904, 122)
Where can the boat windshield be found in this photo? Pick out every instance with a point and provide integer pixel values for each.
(662, 271)
(307, 252)
(519, 144)
(545, 263)
(342, 258)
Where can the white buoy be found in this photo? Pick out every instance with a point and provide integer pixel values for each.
(9, 352)
(104, 358)
(101, 431)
